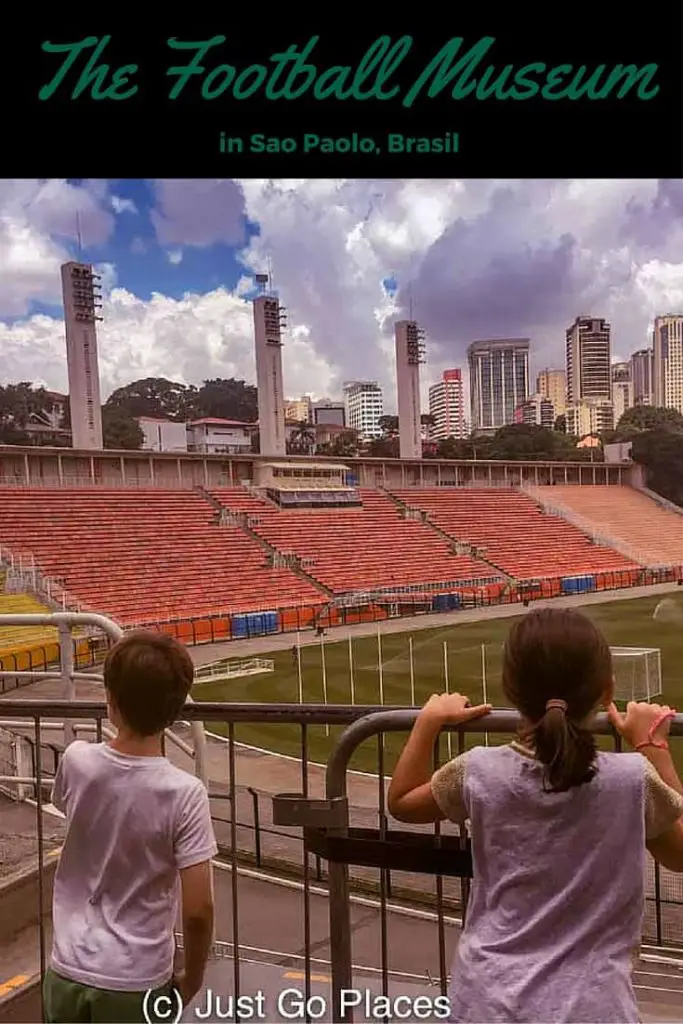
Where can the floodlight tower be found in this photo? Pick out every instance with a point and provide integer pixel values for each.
(82, 302)
(269, 320)
(410, 354)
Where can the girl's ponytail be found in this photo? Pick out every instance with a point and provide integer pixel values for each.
(565, 749)
(550, 654)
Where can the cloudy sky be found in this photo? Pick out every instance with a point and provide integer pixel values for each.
(487, 258)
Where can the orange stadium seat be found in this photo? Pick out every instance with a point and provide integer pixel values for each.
(360, 548)
(143, 555)
(626, 514)
(514, 533)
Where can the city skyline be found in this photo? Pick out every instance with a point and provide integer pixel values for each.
(479, 259)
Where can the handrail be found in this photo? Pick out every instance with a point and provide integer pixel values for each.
(399, 717)
(65, 622)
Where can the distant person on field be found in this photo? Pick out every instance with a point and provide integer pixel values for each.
(139, 839)
(559, 831)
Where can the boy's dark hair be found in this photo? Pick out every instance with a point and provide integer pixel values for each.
(557, 654)
(148, 677)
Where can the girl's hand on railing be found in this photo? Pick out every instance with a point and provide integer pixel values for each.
(451, 709)
(643, 724)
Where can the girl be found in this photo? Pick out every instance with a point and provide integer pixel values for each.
(558, 830)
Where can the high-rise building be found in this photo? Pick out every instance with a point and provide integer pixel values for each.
(537, 411)
(642, 376)
(446, 405)
(591, 416)
(82, 302)
(667, 343)
(552, 384)
(299, 409)
(410, 354)
(268, 323)
(499, 381)
(622, 389)
(589, 360)
(329, 414)
(364, 407)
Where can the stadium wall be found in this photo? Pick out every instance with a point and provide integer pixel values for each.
(55, 467)
(221, 628)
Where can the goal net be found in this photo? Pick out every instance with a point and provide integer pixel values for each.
(637, 673)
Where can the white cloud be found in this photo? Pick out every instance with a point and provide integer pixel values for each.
(485, 258)
(175, 256)
(188, 339)
(38, 221)
(200, 212)
(121, 205)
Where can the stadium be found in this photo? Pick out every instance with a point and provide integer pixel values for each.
(309, 590)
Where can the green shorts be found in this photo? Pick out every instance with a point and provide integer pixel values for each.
(68, 1002)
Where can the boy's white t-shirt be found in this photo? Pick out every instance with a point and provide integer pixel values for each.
(133, 823)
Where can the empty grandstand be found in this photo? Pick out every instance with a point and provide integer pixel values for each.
(372, 547)
(144, 555)
(513, 533)
(247, 560)
(629, 515)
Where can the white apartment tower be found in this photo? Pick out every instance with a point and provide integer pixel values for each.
(364, 407)
(446, 406)
(82, 302)
(668, 361)
(269, 320)
(410, 354)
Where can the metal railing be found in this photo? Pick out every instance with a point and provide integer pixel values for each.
(317, 881)
(332, 854)
(22, 574)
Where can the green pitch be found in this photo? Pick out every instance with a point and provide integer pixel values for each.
(625, 624)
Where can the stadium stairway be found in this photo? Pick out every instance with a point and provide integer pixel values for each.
(371, 547)
(515, 533)
(147, 555)
(293, 564)
(468, 549)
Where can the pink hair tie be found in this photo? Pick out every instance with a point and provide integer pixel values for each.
(662, 744)
(561, 705)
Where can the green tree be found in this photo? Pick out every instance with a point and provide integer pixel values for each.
(18, 402)
(389, 426)
(301, 440)
(383, 448)
(640, 418)
(661, 453)
(560, 424)
(454, 448)
(228, 399)
(157, 397)
(120, 430)
(343, 446)
(524, 441)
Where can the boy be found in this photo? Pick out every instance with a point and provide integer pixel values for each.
(139, 838)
